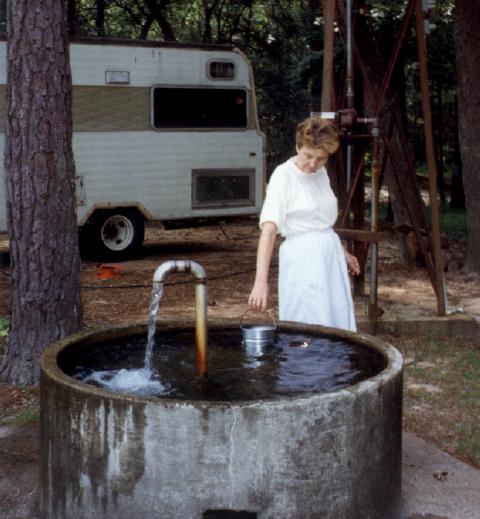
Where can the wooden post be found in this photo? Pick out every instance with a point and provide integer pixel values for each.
(431, 165)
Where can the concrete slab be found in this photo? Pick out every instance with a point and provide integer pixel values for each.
(449, 326)
(408, 319)
(436, 485)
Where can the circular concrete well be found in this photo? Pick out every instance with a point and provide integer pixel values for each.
(310, 454)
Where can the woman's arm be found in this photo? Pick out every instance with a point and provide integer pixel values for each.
(258, 299)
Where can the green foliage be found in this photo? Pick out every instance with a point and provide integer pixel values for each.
(453, 223)
(4, 326)
(26, 416)
(286, 87)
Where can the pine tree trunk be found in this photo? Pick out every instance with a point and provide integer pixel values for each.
(467, 42)
(457, 200)
(45, 300)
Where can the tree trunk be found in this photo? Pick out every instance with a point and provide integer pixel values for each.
(156, 9)
(45, 300)
(457, 200)
(146, 26)
(439, 148)
(3, 18)
(467, 43)
(72, 18)
(100, 18)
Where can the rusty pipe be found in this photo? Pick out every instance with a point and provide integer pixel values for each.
(200, 304)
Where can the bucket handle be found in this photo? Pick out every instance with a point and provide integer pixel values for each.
(268, 312)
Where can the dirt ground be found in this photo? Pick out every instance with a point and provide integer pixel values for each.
(116, 293)
(119, 293)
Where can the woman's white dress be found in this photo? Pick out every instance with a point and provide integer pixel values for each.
(313, 283)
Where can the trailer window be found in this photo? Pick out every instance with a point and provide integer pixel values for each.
(221, 69)
(223, 188)
(199, 108)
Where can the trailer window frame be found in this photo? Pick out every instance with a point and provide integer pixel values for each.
(216, 174)
(198, 128)
(221, 78)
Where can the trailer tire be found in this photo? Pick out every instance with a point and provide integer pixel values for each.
(113, 235)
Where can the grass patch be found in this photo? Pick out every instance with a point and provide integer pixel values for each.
(453, 223)
(19, 405)
(26, 416)
(442, 393)
(4, 326)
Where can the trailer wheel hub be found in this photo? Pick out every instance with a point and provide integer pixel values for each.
(117, 232)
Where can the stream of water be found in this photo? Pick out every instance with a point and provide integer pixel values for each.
(157, 292)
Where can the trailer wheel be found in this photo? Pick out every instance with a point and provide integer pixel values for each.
(114, 235)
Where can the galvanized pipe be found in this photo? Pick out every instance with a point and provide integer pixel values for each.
(349, 166)
(372, 309)
(200, 304)
(328, 54)
(349, 79)
(349, 93)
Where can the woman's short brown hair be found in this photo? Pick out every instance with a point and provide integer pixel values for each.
(317, 133)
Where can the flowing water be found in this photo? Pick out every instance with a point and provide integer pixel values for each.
(157, 292)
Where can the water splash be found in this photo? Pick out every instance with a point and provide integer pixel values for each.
(157, 292)
(130, 381)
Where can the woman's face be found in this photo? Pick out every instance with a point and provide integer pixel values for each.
(310, 159)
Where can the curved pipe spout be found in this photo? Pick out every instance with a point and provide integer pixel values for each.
(200, 304)
(179, 266)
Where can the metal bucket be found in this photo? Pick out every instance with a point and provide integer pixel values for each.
(256, 338)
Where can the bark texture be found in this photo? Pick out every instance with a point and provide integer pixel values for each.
(467, 42)
(45, 301)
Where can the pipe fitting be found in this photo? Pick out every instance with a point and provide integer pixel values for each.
(180, 266)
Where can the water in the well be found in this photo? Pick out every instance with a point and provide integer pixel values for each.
(166, 366)
(294, 364)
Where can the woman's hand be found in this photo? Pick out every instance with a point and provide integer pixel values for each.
(258, 299)
(352, 264)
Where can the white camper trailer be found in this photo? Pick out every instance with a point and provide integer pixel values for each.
(161, 132)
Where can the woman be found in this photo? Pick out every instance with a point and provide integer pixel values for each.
(313, 283)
